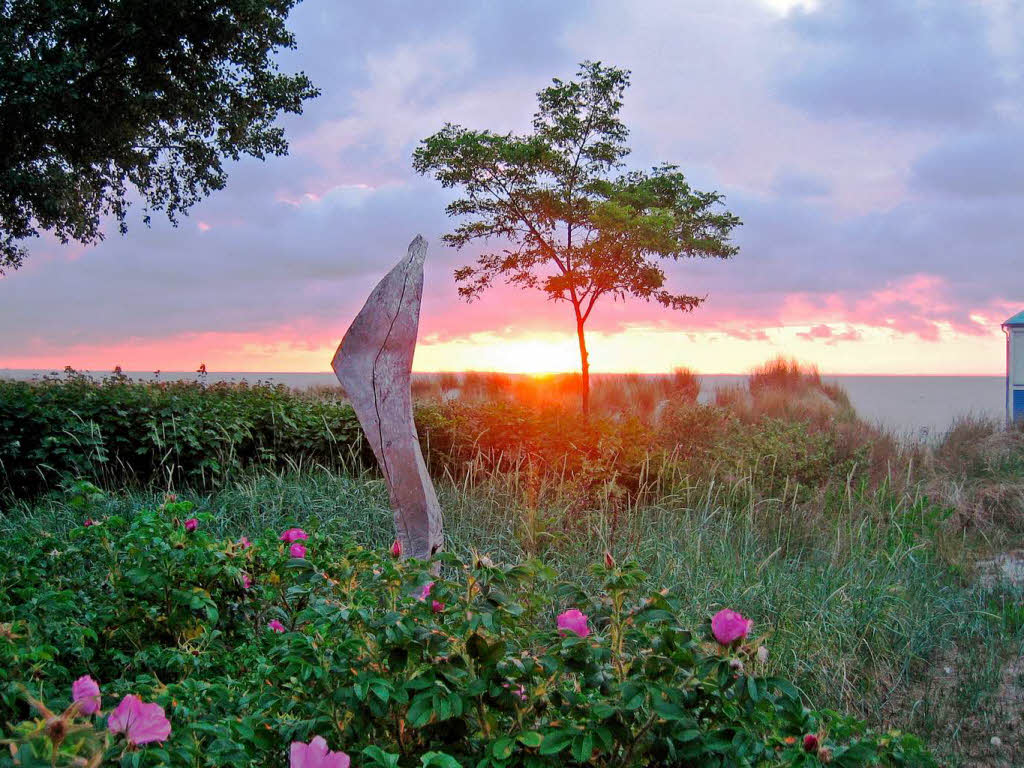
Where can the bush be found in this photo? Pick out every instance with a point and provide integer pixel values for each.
(246, 648)
(162, 433)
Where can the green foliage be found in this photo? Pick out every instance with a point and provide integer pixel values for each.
(567, 219)
(161, 433)
(475, 675)
(101, 98)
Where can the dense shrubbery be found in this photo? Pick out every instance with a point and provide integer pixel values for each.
(166, 433)
(786, 436)
(246, 648)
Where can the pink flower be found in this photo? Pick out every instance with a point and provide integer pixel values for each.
(574, 621)
(89, 522)
(396, 549)
(244, 542)
(519, 692)
(275, 625)
(86, 691)
(191, 524)
(293, 534)
(437, 606)
(424, 593)
(246, 581)
(316, 755)
(141, 723)
(729, 626)
(298, 549)
(810, 743)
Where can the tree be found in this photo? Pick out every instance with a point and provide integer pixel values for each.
(110, 98)
(569, 220)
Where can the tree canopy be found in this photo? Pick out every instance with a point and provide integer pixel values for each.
(558, 212)
(105, 100)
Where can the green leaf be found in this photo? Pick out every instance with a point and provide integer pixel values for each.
(530, 739)
(503, 747)
(555, 741)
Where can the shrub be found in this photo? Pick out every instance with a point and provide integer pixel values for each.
(246, 650)
(165, 433)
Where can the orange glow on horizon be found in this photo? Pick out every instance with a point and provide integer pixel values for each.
(851, 349)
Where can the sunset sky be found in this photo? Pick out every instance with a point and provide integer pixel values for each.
(874, 150)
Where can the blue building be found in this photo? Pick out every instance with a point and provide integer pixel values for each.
(1014, 330)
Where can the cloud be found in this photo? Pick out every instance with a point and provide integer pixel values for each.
(985, 165)
(921, 64)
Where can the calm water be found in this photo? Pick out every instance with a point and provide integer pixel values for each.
(913, 406)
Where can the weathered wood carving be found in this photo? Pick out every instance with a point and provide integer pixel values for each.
(374, 365)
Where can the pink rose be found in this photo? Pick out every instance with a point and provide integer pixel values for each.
(244, 542)
(316, 755)
(573, 621)
(141, 723)
(293, 534)
(89, 522)
(298, 549)
(424, 592)
(519, 692)
(246, 581)
(275, 625)
(729, 626)
(86, 692)
(191, 524)
(396, 549)
(437, 606)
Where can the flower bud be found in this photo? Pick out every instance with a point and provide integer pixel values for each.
(396, 549)
(810, 743)
(609, 561)
(762, 654)
(825, 755)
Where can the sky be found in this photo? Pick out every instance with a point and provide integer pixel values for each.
(873, 149)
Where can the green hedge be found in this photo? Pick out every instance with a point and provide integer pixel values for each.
(163, 433)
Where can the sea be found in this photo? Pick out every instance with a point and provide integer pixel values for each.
(913, 407)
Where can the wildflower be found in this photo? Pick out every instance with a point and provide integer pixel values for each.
(424, 592)
(396, 549)
(244, 542)
(736, 665)
(191, 524)
(609, 561)
(519, 692)
(810, 743)
(246, 581)
(170, 498)
(825, 755)
(573, 621)
(86, 692)
(437, 606)
(141, 723)
(293, 534)
(298, 549)
(729, 626)
(89, 522)
(316, 755)
(762, 654)
(275, 625)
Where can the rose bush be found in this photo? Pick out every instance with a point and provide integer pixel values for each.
(234, 651)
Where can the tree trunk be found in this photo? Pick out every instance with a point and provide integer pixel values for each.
(584, 367)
